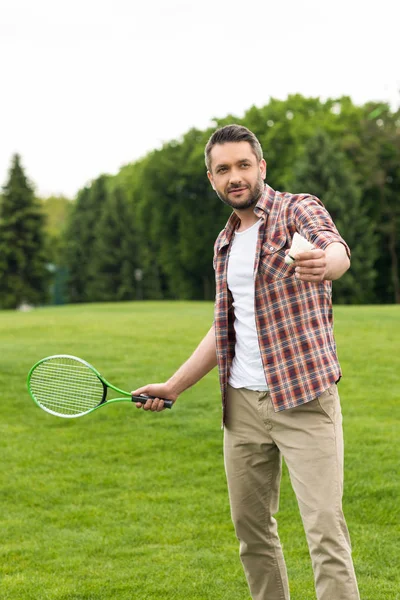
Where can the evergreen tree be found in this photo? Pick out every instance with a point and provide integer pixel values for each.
(74, 250)
(180, 216)
(323, 172)
(80, 239)
(24, 275)
(115, 259)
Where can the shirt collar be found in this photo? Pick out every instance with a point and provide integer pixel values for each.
(265, 202)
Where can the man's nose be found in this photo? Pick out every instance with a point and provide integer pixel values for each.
(235, 176)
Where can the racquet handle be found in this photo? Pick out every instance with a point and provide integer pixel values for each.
(143, 400)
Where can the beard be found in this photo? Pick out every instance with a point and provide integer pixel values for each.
(251, 195)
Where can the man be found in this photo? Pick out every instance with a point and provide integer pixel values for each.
(273, 342)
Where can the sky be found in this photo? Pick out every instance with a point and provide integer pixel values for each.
(88, 86)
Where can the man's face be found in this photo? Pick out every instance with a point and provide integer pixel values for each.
(236, 174)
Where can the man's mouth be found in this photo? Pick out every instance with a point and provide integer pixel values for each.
(237, 190)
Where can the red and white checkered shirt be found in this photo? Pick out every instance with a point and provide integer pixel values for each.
(293, 317)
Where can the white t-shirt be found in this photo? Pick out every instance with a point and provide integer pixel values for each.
(247, 369)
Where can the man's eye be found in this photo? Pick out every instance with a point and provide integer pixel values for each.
(244, 165)
(222, 170)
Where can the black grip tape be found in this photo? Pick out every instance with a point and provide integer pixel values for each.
(143, 400)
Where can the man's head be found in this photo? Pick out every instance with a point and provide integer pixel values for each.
(235, 166)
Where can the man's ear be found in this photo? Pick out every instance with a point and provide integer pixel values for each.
(263, 168)
(210, 178)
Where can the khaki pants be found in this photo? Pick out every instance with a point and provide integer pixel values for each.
(310, 439)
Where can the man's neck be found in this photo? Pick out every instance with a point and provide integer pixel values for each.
(247, 218)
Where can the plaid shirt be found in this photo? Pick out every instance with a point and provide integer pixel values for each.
(293, 317)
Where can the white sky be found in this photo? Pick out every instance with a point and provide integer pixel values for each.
(90, 85)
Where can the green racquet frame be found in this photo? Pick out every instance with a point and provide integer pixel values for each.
(68, 386)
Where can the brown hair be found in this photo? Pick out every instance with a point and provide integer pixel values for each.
(232, 133)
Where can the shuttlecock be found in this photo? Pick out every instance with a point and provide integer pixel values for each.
(299, 244)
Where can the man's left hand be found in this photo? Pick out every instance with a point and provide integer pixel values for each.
(311, 265)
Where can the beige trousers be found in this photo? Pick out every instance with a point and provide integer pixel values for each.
(309, 438)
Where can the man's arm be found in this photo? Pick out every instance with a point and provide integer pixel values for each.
(331, 257)
(203, 359)
(319, 265)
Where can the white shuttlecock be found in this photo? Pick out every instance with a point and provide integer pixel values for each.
(299, 244)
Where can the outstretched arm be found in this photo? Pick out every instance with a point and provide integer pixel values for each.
(203, 359)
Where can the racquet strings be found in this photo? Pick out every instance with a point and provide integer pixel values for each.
(65, 386)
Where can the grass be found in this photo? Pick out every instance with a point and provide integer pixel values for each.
(125, 505)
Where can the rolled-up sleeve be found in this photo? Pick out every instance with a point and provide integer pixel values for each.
(314, 222)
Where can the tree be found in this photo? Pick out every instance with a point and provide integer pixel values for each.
(323, 172)
(131, 180)
(56, 209)
(24, 273)
(180, 216)
(354, 167)
(80, 239)
(113, 269)
(377, 162)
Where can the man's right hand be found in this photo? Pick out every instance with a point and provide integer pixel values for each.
(158, 390)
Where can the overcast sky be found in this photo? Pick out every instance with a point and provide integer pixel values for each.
(90, 85)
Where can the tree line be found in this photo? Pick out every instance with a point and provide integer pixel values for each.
(148, 232)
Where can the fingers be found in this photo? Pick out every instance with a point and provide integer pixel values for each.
(312, 276)
(315, 254)
(310, 266)
(140, 391)
(153, 404)
(311, 272)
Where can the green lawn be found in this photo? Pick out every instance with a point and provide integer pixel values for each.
(124, 505)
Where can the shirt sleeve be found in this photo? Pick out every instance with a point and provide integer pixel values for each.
(314, 222)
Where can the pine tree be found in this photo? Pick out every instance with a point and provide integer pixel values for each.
(74, 249)
(323, 172)
(80, 239)
(24, 275)
(115, 258)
